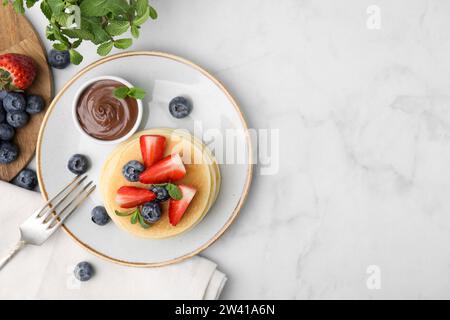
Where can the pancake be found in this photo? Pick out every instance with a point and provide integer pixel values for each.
(202, 173)
(198, 176)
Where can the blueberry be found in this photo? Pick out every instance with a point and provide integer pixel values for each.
(59, 59)
(99, 216)
(2, 115)
(84, 271)
(132, 169)
(6, 132)
(14, 101)
(26, 179)
(17, 119)
(161, 193)
(78, 164)
(8, 152)
(180, 107)
(151, 212)
(35, 104)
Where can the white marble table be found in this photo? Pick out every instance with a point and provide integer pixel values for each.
(360, 206)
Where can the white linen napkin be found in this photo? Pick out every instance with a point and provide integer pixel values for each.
(46, 272)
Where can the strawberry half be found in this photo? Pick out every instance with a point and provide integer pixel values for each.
(17, 71)
(130, 197)
(171, 168)
(152, 148)
(177, 208)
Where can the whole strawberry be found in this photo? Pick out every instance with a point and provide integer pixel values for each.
(17, 71)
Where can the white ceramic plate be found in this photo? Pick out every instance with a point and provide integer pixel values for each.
(163, 76)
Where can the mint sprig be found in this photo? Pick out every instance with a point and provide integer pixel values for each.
(135, 217)
(134, 92)
(101, 22)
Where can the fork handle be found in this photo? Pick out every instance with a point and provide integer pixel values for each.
(19, 245)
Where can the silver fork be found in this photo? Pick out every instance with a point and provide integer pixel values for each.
(42, 223)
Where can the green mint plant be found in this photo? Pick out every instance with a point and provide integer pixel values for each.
(102, 22)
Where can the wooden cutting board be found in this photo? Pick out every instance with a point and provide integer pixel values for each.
(17, 35)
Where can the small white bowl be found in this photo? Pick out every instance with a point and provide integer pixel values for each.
(75, 117)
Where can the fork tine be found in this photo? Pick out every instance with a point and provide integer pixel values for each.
(59, 214)
(52, 207)
(48, 203)
(61, 221)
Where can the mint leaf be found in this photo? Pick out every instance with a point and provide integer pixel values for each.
(100, 8)
(135, 31)
(118, 7)
(57, 6)
(75, 57)
(141, 7)
(78, 34)
(121, 92)
(94, 8)
(31, 3)
(94, 26)
(100, 35)
(123, 43)
(143, 223)
(46, 10)
(152, 13)
(174, 191)
(60, 46)
(116, 28)
(62, 19)
(124, 214)
(105, 48)
(59, 36)
(139, 20)
(135, 217)
(77, 43)
(49, 34)
(137, 93)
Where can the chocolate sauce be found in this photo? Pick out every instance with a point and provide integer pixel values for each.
(104, 116)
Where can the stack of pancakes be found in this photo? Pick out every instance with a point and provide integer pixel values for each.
(202, 173)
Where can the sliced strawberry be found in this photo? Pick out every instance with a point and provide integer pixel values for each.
(17, 71)
(130, 197)
(152, 148)
(177, 208)
(171, 168)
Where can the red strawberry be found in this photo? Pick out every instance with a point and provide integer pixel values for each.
(152, 148)
(170, 168)
(177, 208)
(130, 197)
(17, 71)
